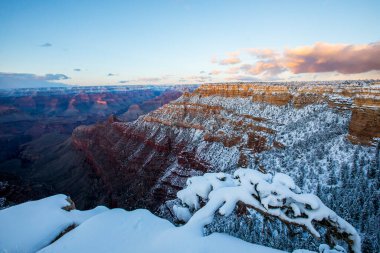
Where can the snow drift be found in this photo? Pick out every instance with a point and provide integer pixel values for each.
(33, 225)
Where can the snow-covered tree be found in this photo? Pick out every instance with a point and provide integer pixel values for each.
(271, 195)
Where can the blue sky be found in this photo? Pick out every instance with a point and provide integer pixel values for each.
(105, 42)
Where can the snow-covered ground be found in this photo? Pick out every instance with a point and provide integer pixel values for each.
(140, 231)
(33, 225)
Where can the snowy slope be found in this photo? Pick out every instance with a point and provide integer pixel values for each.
(120, 231)
(32, 225)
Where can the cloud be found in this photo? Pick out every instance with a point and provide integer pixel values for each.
(47, 44)
(231, 59)
(215, 72)
(202, 72)
(24, 80)
(342, 58)
(54, 77)
(317, 58)
(233, 70)
(266, 68)
(111, 74)
(148, 80)
(77, 70)
(143, 80)
(197, 78)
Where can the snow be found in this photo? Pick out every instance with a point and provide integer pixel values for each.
(201, 186)
(285, 180)
(32, 225)
(140, 231)
(324, 248)
(189, 198)
(182, 213)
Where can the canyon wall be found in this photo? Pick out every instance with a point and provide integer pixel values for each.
(320, 134)
(219, 127)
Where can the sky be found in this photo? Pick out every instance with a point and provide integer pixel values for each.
(91, 42)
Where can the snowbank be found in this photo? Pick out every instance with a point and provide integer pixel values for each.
(31, 226)
(140, 231)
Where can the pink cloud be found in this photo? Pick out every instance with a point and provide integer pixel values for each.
(233, 70)
(342, 58)
(269, 68)
(233, 58)
(318, 58)
(198, 78)
(215, 72)
(230, 61)
(214, 59)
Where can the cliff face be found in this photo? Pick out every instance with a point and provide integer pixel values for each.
(364, 102)
(35, 125)
(131, 162)
(364, 125)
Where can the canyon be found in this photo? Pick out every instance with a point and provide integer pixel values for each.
(35, 122)
(216, 128)
(323, 134)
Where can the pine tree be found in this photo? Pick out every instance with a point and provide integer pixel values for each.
(331, 179)
(344, 175)
(371, 174)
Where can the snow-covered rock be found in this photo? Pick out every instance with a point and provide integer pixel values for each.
(276, 196)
